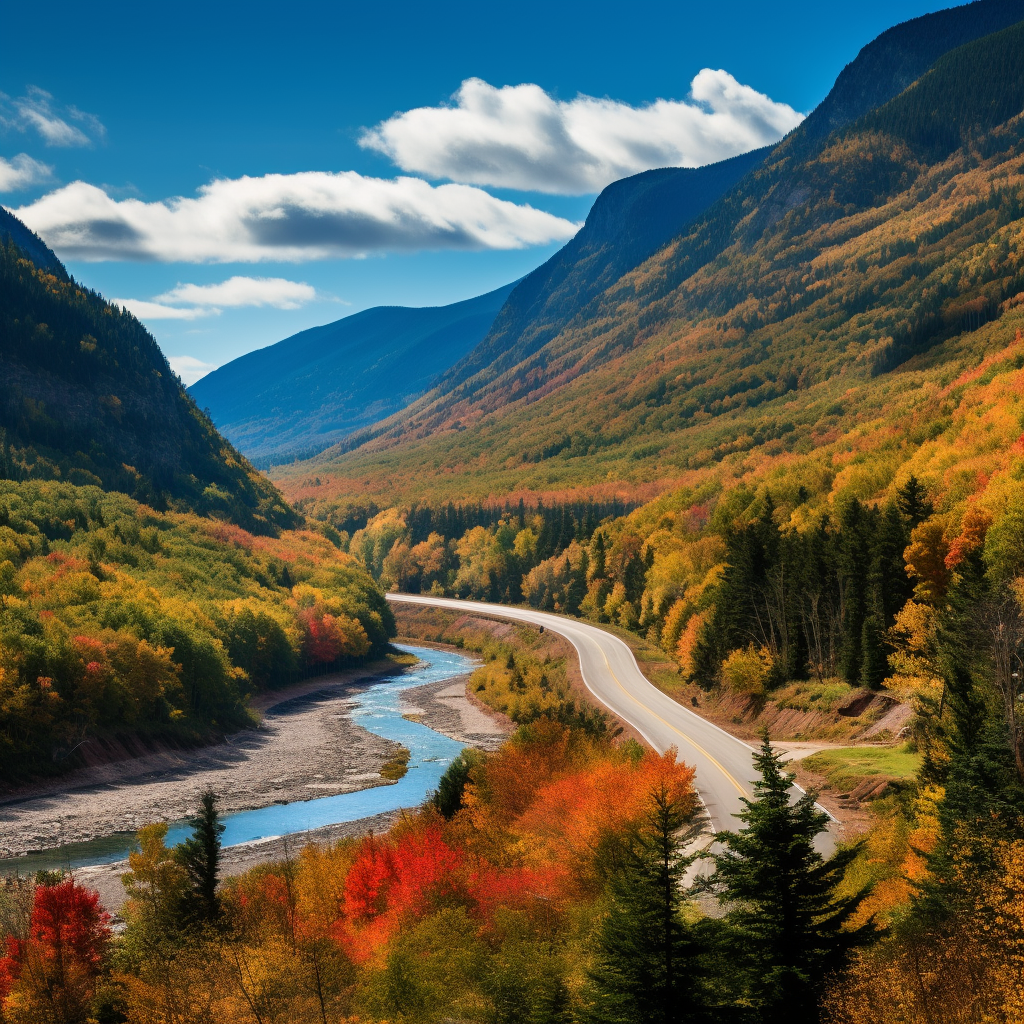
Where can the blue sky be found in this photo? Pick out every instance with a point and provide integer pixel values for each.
(110, 111)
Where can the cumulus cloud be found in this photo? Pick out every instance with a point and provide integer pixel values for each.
(190, 301)
(520, 137)
(38, 111)
(291, 217)
(190, 369)
(21, 171)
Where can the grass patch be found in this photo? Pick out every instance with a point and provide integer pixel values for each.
(812, 696)
(846, 767)
(403, 658)
(394, 769)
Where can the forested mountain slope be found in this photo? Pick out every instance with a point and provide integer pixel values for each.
(89, 398)
(300, 396)
(636, 216)
(633, 216)
(152, 613)
(631, 219)
(30, 244)
(774, 322)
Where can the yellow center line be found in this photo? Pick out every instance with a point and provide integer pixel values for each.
(677, 731)
(636, 700)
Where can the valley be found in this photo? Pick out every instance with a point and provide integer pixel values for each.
(637, 641)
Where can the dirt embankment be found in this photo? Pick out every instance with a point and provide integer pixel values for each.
(858, 717)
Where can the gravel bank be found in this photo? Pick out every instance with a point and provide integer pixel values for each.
(306, 746)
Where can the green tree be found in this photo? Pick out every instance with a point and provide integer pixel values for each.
(200, 856)
(873, 663)
(782, 898)
(853, 557)
(912, 501)
(648, 961)
(452, 785)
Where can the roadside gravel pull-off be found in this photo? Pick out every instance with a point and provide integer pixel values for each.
(305, 747)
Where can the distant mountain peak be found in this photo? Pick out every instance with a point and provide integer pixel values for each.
(30, 244)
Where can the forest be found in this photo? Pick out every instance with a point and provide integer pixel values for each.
(120, 621)
(787, 447)
(89, 398)
(557, 880)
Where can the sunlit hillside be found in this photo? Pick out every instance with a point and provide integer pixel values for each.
(856, 285)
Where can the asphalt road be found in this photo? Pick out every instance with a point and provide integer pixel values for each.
(725, 769)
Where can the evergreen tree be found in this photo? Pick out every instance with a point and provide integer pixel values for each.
(782, 898)
(887, 579)
(200, 856)
(874, 666)
(648, 959)
(854, 557)
(452, 786)
(576, 590)
(983, 801)
(912, 501)
(599, 567)
(553, 1004)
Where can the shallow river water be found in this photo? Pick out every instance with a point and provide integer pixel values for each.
(378, 709)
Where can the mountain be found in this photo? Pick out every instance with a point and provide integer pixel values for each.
(635, 217)
(88, 398)
(30, 244)
(148, 583)
(305, 393)
(828, 266)
(630, 220)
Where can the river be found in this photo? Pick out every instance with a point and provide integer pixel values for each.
(378, 709)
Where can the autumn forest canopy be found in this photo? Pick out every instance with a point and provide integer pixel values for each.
(782, 449)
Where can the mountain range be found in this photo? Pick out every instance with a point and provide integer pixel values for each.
(296, 398)
(825, 267)
(311, 391)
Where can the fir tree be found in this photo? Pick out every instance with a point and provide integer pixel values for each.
(912, 501)
(200, 856)
(874, 665)
(853, 557)
(782, 898)
(647, 970)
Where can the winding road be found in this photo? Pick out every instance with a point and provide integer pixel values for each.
(725, 770)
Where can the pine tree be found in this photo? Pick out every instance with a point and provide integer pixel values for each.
(853, 557)
(452, 785)
(576, 589)
(782, 898)
(200, 856)
(553, 1005)
(648, 959)
(874, 666)
(598, 567)
(912, 501)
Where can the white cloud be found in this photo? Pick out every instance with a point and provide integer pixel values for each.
(520, 137)
(146, 310)
(38, 111)
(294, 217)
(278, 292)
(190, 369)
(21, 171)
(208, 299)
